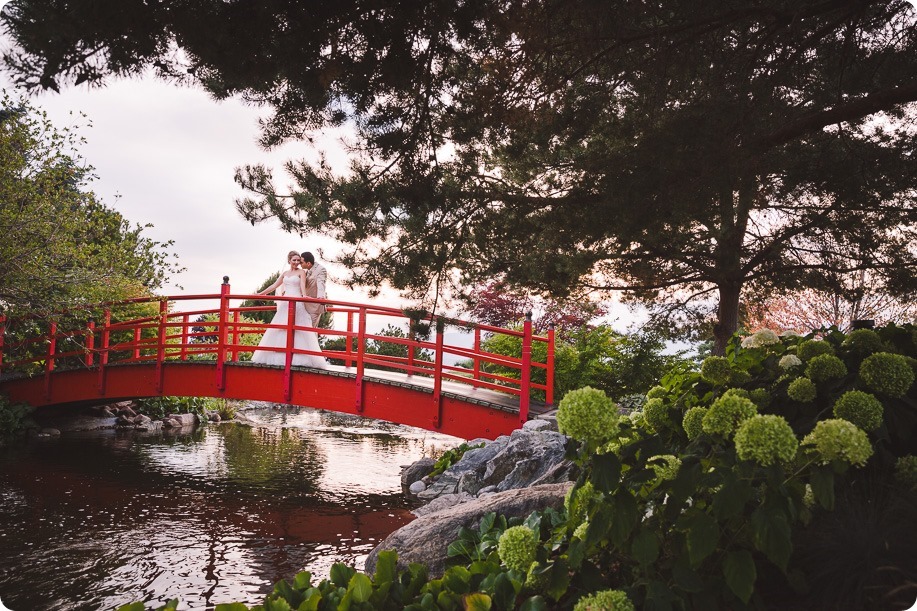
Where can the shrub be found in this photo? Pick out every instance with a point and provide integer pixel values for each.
(716, 370)
(906, 471)
(14, 418)
(825, 367)
(517, 547)
(809, 349)
(839, 440)
(692, 421)
(606, 600)
(860, 408)
(887, 374)
(655, 414)
(766, 440)
(863, 342)
(588, 415)
(726, 414)
(789, 362)
(802, 390)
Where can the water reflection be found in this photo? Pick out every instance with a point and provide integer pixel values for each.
(95, 520)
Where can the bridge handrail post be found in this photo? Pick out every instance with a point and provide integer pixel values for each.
(184, 337)
(438, 373)
(477, 352)
(2, 335)
(161, 342)
(287, 373)
(49, 360)
(236, 335)
(90, 342)
(103, 349)
(221, 334)
(136, 343)
(526, 373)
(361, 352)
(349, 342)
(549, 373)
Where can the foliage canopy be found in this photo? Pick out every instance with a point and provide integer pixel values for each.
(684, 154)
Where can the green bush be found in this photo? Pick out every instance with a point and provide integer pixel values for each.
(887, 374)
(14, 418)
(825, 367)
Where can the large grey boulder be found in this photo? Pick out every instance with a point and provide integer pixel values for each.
(426, 539)
(527, 457)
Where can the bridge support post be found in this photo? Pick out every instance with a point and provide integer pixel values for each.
(526, 373)
(361, 352)
(161, 343)
(49, 360)
(477, 352)
(221, 335)
(438, 375)
(349, 342)
(103, 350)
(549, 373)
(90, 342)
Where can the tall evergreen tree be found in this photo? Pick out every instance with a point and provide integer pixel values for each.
(684, 153)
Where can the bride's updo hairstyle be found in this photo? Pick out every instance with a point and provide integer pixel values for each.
(292, 254)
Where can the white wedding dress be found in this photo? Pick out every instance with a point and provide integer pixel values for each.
(302, 340)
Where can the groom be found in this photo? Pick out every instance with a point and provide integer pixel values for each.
(316, 274)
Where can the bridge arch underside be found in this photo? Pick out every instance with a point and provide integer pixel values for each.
(395, 398)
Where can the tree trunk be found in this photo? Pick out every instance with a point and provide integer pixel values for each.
(727, 317)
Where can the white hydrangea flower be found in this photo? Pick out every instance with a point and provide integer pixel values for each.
(764, 337)
(790, 361)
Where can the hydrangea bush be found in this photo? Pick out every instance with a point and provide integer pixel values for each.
(702, 500)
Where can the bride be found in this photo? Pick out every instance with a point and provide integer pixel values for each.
(294, 285)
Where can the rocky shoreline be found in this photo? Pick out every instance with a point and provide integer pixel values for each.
(512, 475)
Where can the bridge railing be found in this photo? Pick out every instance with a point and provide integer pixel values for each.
(210, 327)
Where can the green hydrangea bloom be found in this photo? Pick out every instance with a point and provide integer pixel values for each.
(759, 339)
(656, 391)
(580, 531)
(716, 370)
(517, 547)
(860, 408)
(587, 414)
(811, 348)
(739, 377)
(665, 466)
(576, 501)
(788, 362)
(839, 440)
(887, 374)
(692, 422)
(906, 470)
(760, 397)
(802, 390)
(655, 414)
(825, 367)
(863, 342)
(606, 600)
(808, 499)
(727, 413)
(765, 440)
(737, 392)
(535, 580)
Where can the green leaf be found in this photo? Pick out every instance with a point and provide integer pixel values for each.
(477, 602)
(457, 579)
(739, 570)
(386, 567)
(360, 588)
(558, 579)
(771, 534)
(312, 601)
(535, 603)
(504, 592)
(340, 574)
(277, 605)
(822, 482)
(625, 516)
(230, 607)
(645, 547)
(730, 500)
(685, 577)
(462, 549)
(303, 579)
(138, 606)
(283, 589)
(487, 522)
(703, 537)
(606, 472)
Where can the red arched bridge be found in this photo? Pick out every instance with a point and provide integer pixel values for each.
(201, 346)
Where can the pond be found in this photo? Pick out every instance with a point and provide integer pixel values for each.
(94, 520)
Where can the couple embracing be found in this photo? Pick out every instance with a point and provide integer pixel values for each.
(305, 278)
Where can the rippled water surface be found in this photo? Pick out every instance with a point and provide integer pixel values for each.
(96, 520)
